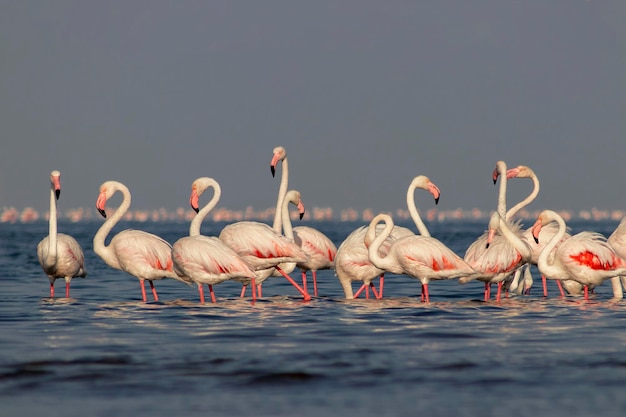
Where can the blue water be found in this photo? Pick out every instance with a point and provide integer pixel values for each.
(105, 353)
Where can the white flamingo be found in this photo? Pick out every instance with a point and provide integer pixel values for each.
(321, 251)
(203, 259)
(143, 255)
(59, 254)
(585, 257)
(421, 257)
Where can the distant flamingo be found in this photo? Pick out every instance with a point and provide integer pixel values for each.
(497, 261)
(204, 259)
(59, 254)
(264, 249)
(352, 262)
(321, 251)
(585, 257)
(141, 254)
(421, 257)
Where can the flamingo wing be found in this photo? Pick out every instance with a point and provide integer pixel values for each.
(427, 257)
(320, 250)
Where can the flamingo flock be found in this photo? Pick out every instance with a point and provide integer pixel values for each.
(251, 252)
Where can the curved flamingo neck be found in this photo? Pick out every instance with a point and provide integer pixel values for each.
(285, 218)
(529, 199)
(282, 192)
(51, 257)
(104, 251)
(417, 219)
(373, 249)
(550, 270)
(196, 222)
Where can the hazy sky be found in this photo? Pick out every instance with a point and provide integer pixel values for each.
(363, 94)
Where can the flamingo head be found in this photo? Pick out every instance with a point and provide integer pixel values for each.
(500, 169)
(520, 171)
(536, 229)
(102, 201)
(55, 179)
(279, 154)
(193, 199)
(423, 182)
(494, 225)
(295, 198)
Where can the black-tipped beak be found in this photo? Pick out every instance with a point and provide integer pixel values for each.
(487, 246)
(57, 193)
(536, 239)
(102, 213)
(196, 209)
(273, 170)
(436, 200)
(301, 216)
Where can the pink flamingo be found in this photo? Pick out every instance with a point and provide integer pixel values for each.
(59, 254)
(264, 249)
(204, 259)
(352, 261)
(321, 251)
(497, 261)
(421, 257)
(585, 257)
(141, 254)
(523, 171)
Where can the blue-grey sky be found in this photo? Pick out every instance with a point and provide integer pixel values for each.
(364, 95)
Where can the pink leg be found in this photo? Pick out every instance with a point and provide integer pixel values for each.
(143, 291)
(253, 286)
(586, 292)
(356, 295)
(425, 293)
(304, 280)
(382, 283)
(314, 273)
(367, 292)
(67, 290)
(212, 293)
(544, 281)
(154, 293)
(243, 292)
(374, 290)
(499, 293)
(52, 289)
(201, 292)
(306, 295)
(487, 291)
(259, 290)
(558, 284)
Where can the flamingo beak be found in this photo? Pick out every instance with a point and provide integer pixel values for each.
(495, 175)
(434, 190)
(101, 204)
(512, 173)
(193, 201)
(301, 209)
(274, 162)
(536, 229)
(492, 233)
(56, 182)
(273, 169)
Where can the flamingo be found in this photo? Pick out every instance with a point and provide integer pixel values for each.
(617, 240)
(204, 259)
(59, 254)
(585, 257)
(321, 251)
(352, 261)
(421, 257)
(141, 254)
(523, 171)
(264, 249)
(498, 260)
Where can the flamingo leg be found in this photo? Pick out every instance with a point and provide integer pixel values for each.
(425, 293)
(243, 291)
(253, 286)
(201, 292)
(212, 293)
(143, 291)
(314, 282)
(304, 280)
(154, 293)
(356, 295)
(487, 291)
(382, 282)
(374, 290)
(586, 287)
(52, 289)
(367, 292)
(499, 293)
(558, 284)
(67, 290)
(306, 295)
(544, 281)
(259, 290)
